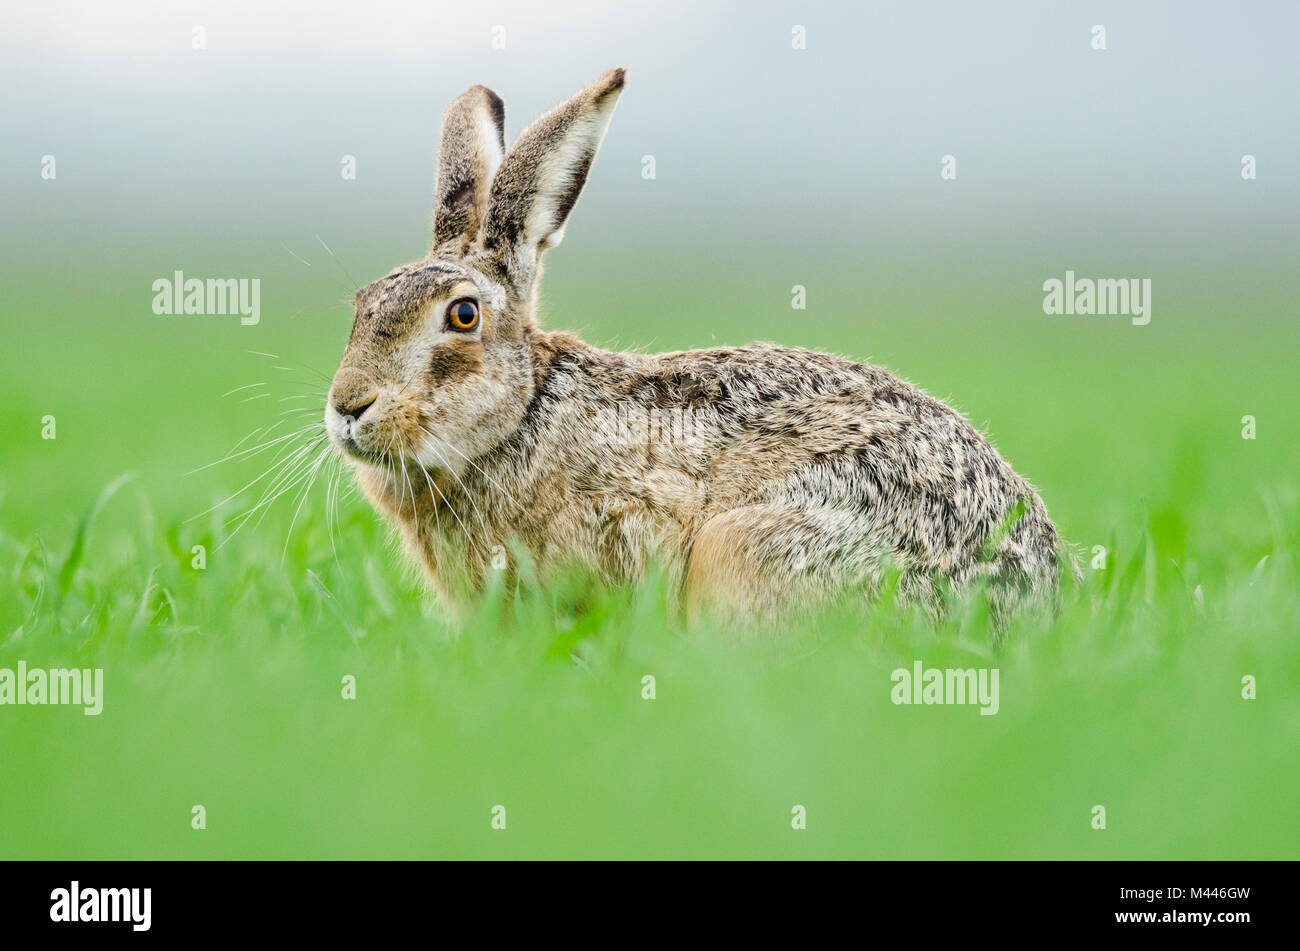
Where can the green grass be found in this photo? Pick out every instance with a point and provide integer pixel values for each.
(223, 685)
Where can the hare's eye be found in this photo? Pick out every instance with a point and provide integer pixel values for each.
(462, 315)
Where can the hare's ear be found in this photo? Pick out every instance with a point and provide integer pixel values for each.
(473, 144)
(542, 176)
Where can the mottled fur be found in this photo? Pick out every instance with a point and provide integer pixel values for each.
(798, 477)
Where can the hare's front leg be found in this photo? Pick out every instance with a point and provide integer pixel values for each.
(761, 563)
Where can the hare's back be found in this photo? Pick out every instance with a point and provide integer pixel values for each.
(813, 430)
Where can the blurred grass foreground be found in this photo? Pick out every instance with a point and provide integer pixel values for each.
(296, 684)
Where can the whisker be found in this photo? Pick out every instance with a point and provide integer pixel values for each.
(332, 505)
(245, 439)
(296, 364)
(302, 497)
(256, 449)
(469, 539)
(464, 488)
(303, 260)
(240, 388)
(406, 482)
(337, 260)
(437, 519)
(276, 465)
(289, 479)
(494, 482)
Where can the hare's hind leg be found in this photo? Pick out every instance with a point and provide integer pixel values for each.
(762, 563)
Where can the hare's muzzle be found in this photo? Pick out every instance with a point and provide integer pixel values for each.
(351, 394)
(356, 409)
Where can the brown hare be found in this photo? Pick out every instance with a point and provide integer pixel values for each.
(765, 479)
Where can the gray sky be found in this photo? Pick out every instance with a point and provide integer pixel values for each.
(1133, 150)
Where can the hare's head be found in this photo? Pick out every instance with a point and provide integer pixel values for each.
(439, 367)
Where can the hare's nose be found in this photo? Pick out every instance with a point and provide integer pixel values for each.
(355, 410)
(352, 393)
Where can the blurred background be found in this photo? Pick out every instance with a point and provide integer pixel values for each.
(774, 166)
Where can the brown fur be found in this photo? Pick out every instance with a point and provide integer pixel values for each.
(766, 479)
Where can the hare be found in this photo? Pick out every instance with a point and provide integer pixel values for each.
(764, 479)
